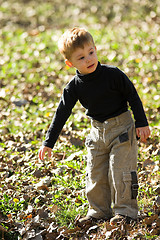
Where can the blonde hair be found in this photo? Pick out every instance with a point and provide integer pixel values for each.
(72, 39)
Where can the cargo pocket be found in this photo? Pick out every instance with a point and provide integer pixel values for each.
(130, 181)
(134, 185)
(127, 185)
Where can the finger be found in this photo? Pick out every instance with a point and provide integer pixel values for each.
(137, 132)
(39, 154)
(141, 134)
(146, 134)
(42, 154)
(49, 153)
(145, 137)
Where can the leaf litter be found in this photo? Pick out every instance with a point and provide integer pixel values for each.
(33, 194)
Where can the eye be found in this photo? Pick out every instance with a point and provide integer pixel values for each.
(91, 52)
(81, 58)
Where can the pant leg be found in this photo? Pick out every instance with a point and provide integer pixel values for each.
(123, 169)
(97, 183)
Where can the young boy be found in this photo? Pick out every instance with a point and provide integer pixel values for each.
(105, 92)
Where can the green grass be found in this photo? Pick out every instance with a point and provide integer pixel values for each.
(33, 70)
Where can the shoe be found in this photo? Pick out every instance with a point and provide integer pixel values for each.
(119, 218)
(88, 220)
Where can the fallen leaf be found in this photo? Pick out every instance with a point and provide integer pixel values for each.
(53, 209)
(3, 229)
(151, 219)
(43, 213)
(51, 236)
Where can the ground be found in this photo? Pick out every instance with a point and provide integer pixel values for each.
(41, 200)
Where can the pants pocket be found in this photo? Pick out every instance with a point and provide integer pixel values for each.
(92, 144)
(130, 181)
(127, 185)
(92, 138)
(134, 185)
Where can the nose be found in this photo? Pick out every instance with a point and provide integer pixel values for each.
(88, 59)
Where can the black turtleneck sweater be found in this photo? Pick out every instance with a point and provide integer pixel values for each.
(104, 94)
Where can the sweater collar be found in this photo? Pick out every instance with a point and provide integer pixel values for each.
(90, 76)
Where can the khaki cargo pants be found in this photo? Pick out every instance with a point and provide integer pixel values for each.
(111, 173)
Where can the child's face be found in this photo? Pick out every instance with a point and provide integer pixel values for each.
(84, 59)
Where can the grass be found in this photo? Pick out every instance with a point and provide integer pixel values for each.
(33, 70)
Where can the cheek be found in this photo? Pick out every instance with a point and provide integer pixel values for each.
(82, 64)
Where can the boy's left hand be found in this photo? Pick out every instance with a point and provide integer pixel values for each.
(143, 133)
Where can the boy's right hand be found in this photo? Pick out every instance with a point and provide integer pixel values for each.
(42, 151)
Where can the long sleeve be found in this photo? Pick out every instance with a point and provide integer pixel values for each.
(66, 104)
(131, 95)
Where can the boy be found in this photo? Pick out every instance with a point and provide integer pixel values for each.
(105, 92)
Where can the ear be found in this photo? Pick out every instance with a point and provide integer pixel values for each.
(68, 63)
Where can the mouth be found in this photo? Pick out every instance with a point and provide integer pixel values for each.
(90, 66)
